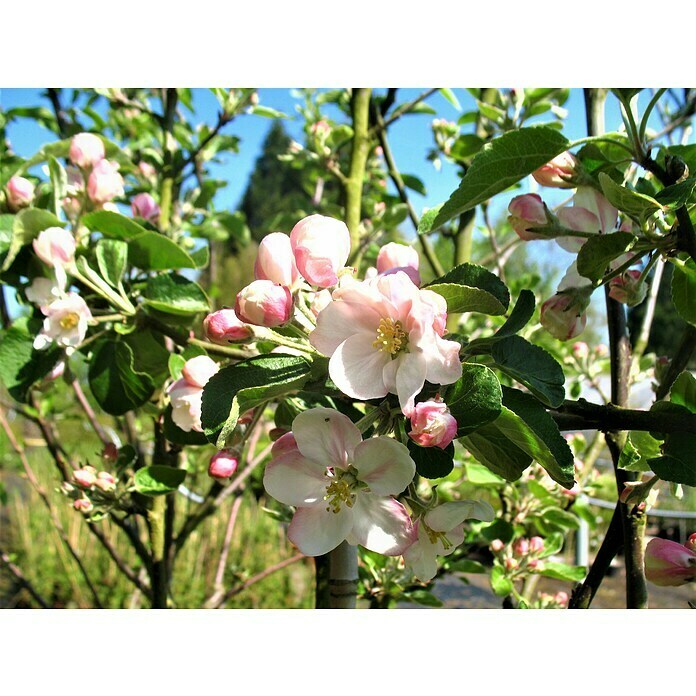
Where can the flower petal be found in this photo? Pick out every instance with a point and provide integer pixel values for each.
(410, 378)
(384, 464)
(381, 524)
(326, 436)
(421, 557)
(295, 480)
(340, 320)
(316, 530)
(356, 368)
(449, 515)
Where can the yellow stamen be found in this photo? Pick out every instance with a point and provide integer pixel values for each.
(391, 337)
(70, 321)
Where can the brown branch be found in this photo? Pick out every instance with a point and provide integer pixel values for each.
(20, 577)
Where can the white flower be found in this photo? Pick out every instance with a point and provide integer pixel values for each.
(341, 486)
(66, 322)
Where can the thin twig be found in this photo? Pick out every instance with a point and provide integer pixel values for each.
(642, 340)
(222, 563)
(21, 578)
(89, 412)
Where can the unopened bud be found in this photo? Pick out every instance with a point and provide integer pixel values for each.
(677, 169)
(20, 193)
(527, 211)
(432, 425)
(521, 547)
(224, 326)
(223, 464)
(497, 545)
(557, 173)
(536, 544)
(563, 317)
(110, 453)
(83, 505)
(628, 288)
(105, 482)
(264, 303)
(85, 477)
(511, 564)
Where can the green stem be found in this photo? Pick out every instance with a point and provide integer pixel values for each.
(156, 524)
(646, 116)
(343, 576)
(358, 161)
(169, 146)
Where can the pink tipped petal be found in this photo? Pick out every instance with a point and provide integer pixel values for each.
(579, 219)
(444, 366)
(421, 558)
(595, 202)
(340, 320)
(449, 515)
(381, 524)
(198, 371)
(316, 531)
(326, 436)
(294, 480)
(384, 464)
(356, 368)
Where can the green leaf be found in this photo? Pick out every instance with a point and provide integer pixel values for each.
(112, 224)
(678, 465)
(676, 195)
(683, 391)
(173, 294)
(561, 571)
(112, 257)
(426, 222)
(481, 476)
(472, 288)
(500, 583)
(151, 251)
(466, 146)
(598, 252)
(500, 529)
(432, 462)
(427, 599)
(556, 520)
(59, 181)
(684, 289)
(239, 387)
(116, 385)
(500, 164)
(492, 446)
(448, 94)
(414, 183)
(25, 228)
(521, 313)
(466, 566)
(640, 447)
(475, 398)
(267, 112)
(20, 365)
(560, 465)
(532, 366)
(634, 204)
(158, 480)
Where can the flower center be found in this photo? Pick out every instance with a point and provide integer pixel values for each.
(391, 337)
(70, 320)
(433, 536)
(341, 489)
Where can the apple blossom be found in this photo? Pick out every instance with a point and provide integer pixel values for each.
(438, 533)
(147, 170)
(321, 246)
(432, 425)
(83, 505)
(668, 563)
(628, 288)
(264, 303)
(110, 453)
(20, 193)
(580, 350)
(497, 545)
(527, 211)
(521, 547)
(224, 326)
(536, 544)
(341, 485)
(397, 256)
(85, 477)
(591, 213)
(557, 172)
(55, 246)
(66, 323)
(381, 339)
(105, 183)
(222, 465)
(275, 261)
(42, 292)
(144, 206)
(186, 393)
(319, 301)
(106, 482)
(561, 317)
(86, 150)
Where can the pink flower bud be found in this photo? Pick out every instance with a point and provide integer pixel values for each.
(246, 417)
(557, 172)
(321, 246)
(86, 150)
(561, 598)
(627, 289)
(223, 464)
(224, 326)
(561, 318)
(395, 255)
(580, 350)
(105, 482)
(432, 425)
(197, 371)
(144, 206)
(511, 564)
(497, 545)
(521, 547)
(83, 505)
(55, 246)
(536, 544)
(105, 183)
(668, 563)
(527, 211)
(71, 207)
(263, 303)
(85, 477)
(533, 563)
(275, 261)
(20, 193)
